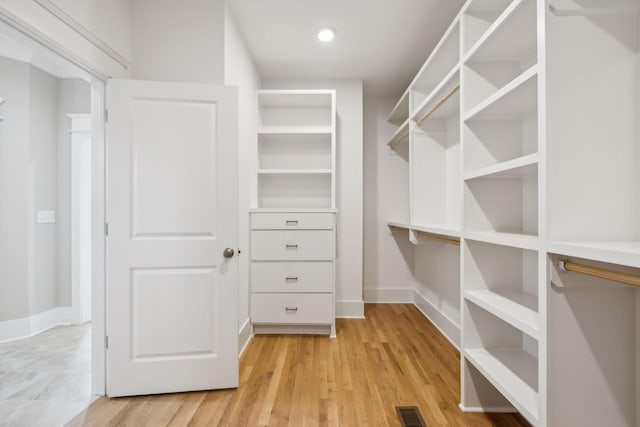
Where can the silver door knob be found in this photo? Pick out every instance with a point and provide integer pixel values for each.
(228, 253)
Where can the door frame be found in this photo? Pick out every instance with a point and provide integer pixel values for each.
(26, 34)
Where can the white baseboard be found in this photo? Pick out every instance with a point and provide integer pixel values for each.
(244, 336)
(447, 327)
(350, 309)
(489, 409)
(388, 295)
(32, 325)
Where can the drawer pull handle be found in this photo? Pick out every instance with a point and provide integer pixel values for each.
(292, 222)
(292, 246)
(288, 309)
(291, 279)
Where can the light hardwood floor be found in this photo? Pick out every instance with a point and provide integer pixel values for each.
(394, 357)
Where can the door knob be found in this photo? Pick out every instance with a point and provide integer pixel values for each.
(228, 253)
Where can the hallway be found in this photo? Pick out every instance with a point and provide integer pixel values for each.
(46, 379)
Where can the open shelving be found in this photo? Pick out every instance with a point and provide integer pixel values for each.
(503, 55)
(400, 113)
(478, 17)
(530, 161)
(444, 58)
(435, 157)
(400, 136)
(503, 280)
(296, 149)
(513, 372)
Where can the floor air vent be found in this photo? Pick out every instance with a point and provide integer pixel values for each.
(410, 416)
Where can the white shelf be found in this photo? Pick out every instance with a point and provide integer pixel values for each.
(293, 171)
(450, 106)
(609, 7)
(295, 130)
(444, 57)
(517, 308)
(294, 210)
(400, 136)
(442, 230)
(515, 168)
(398, 225)
(294, 98)
(514, 373)
(511, 35)
(516, 240)
(515, 100)
(400, 112)
(625, 253)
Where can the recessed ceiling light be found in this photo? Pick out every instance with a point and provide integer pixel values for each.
(326, 34)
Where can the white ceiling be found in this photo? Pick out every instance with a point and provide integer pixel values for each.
(383, 42)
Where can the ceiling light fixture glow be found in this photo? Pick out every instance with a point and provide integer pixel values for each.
(326, 34)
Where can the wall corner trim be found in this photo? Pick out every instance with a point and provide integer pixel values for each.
(244, 336)
(63, 16)
(35, 324)
(447, 326)
(388, 295)
(350, 309)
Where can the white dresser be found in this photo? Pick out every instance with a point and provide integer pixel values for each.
(293, 272)
(293, 215)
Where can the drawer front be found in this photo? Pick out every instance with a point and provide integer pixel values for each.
(292, 276)
(292, 221)
(292, 309)
(285, 245)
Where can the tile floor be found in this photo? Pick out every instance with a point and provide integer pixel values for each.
(45, 380)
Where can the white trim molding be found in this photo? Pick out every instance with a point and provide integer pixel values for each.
(39, 37)
(244, 336)
(81, 30)
(28, 326)
(388, 295)
(488, 409)
(350, 309)
(441, 321)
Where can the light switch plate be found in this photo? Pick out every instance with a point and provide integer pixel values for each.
(46, 217)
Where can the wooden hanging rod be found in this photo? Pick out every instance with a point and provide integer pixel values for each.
(439, 238)
(627, 279)
(438, 104)
(399, 139)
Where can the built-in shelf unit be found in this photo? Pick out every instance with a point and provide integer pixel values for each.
(523, 160)
(293, 220)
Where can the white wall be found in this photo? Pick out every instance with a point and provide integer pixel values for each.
(239, 70)
(14, 135)
(178, 40)
(388, 260)
(349, 200)
(101, 29)
(34, 176)
(74, 96)
(42, 190)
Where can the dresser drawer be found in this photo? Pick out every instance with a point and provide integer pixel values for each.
(292, 221)
(292, 309)
(284, 245)
(292, 276)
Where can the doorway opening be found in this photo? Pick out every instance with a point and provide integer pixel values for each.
(51, 233)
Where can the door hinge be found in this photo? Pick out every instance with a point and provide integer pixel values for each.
(106, 229)
(106, 115)
(106, 342)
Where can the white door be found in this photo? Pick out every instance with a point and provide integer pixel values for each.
(171, 211)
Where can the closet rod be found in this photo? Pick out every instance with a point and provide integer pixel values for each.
(627, 279)
(438, 104)
(399, 139)
(439, 238)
